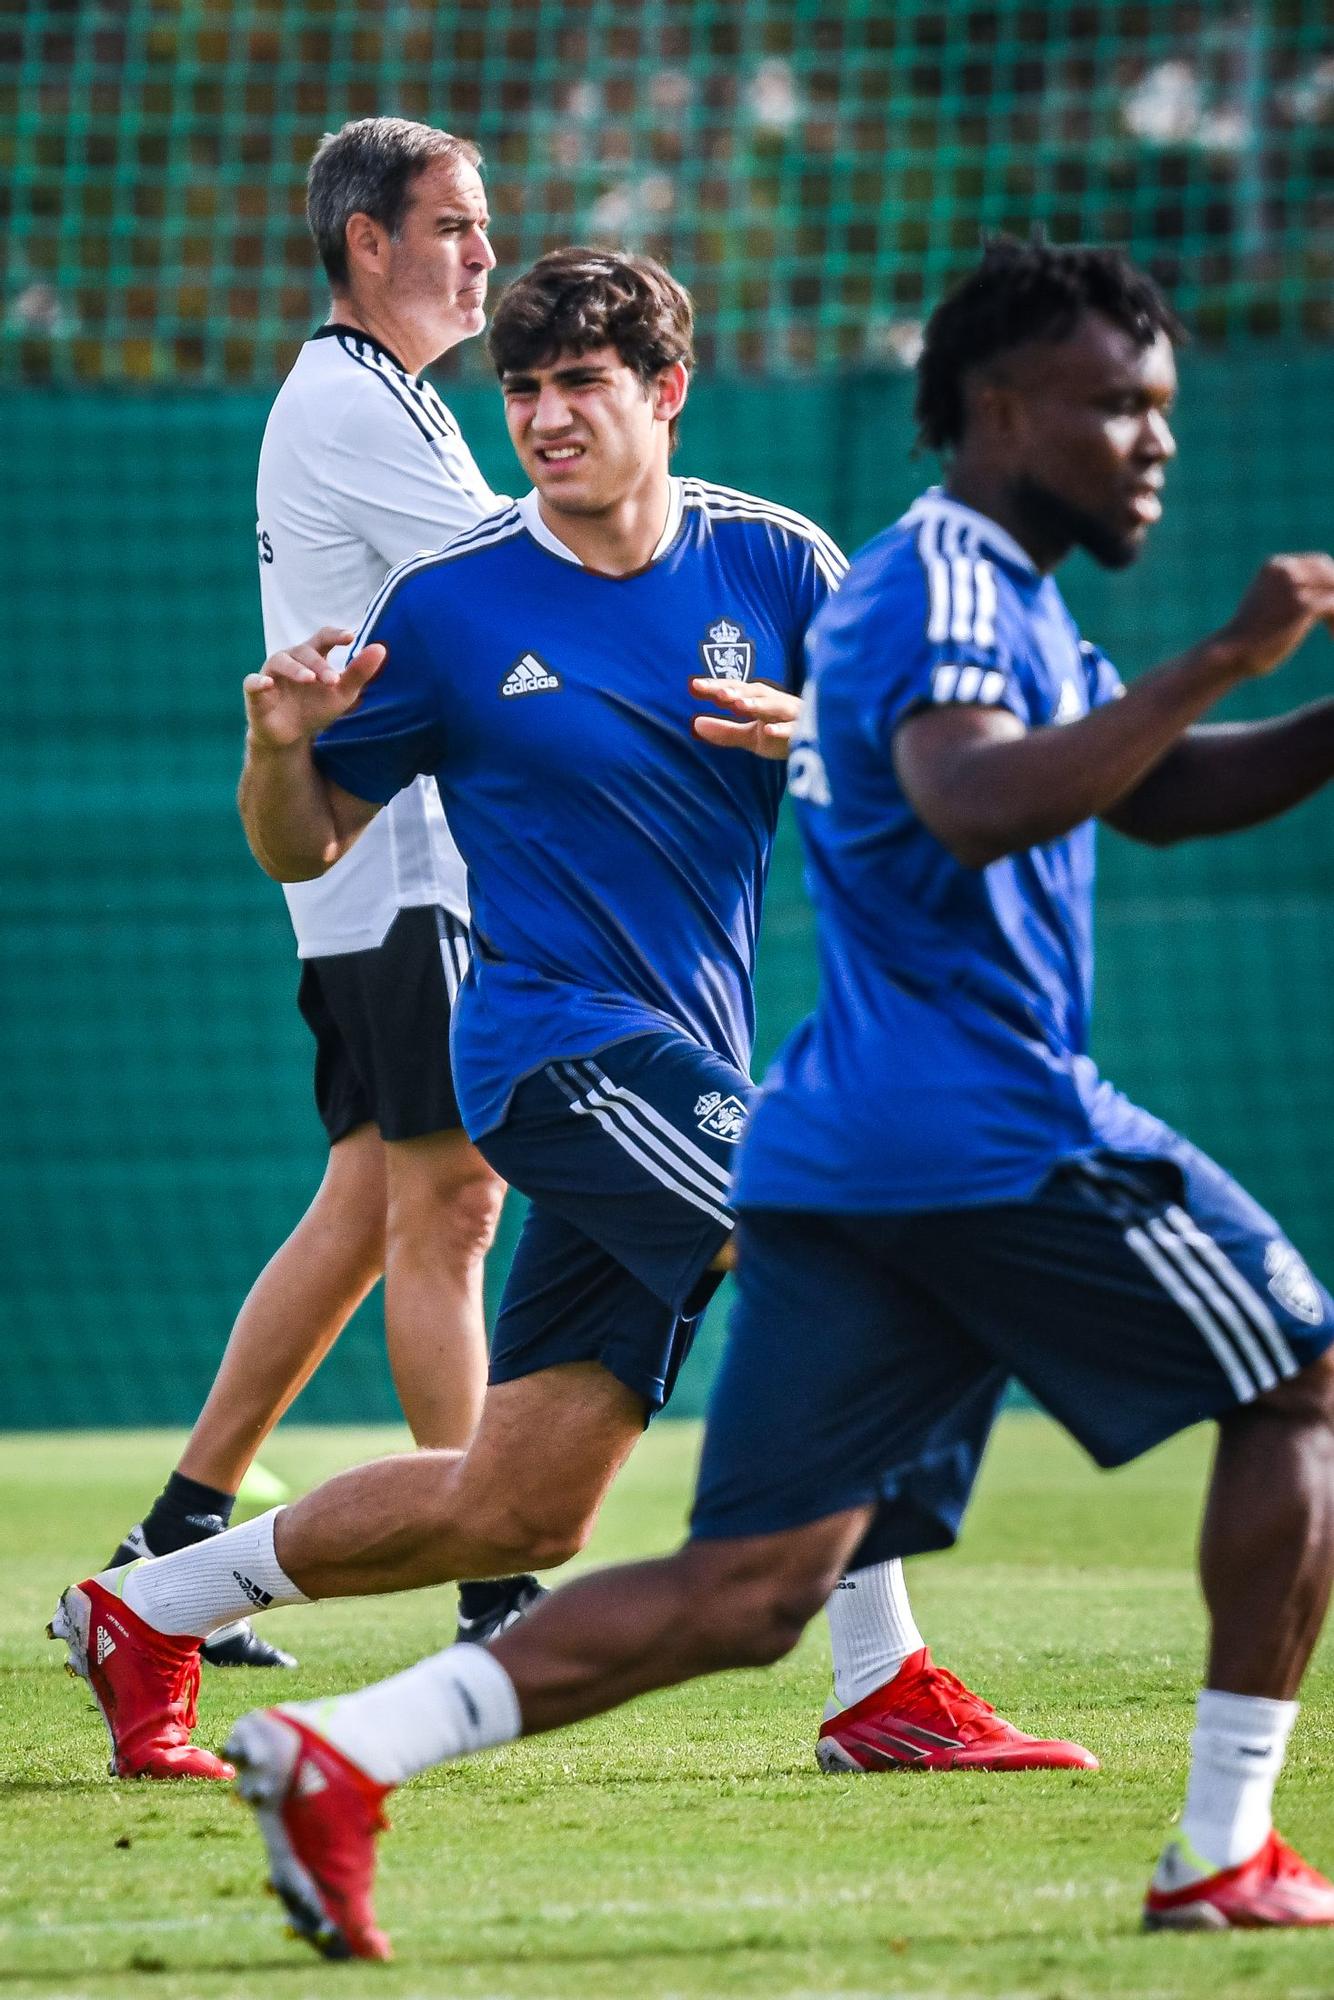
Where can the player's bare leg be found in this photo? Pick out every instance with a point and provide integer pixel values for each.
(1267, 1544)
(442, 1204)
(317, 1775)
(524, 1495)
(295, 1311)
(1266, 1565)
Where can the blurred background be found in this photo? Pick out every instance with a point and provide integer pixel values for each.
(816, 175)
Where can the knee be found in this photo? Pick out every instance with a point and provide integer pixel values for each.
(521, 1536)
(752, 1612)
(449, 1207)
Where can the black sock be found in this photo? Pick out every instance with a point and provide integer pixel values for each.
(186, 1511)
(480, 1599)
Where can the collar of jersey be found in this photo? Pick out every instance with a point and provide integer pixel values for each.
(333, 327)
(542, 535)
(936, 501)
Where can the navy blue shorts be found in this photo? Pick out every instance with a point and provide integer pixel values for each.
(626, 1157)
(868, 1355)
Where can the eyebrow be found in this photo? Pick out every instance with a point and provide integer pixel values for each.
(514, 377)
(462, 215)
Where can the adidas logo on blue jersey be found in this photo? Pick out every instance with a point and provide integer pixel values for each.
(529, 675)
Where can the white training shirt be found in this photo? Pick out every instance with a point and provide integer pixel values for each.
(361, 466)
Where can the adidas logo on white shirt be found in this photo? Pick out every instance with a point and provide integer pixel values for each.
(529, 675)
(106, 1645)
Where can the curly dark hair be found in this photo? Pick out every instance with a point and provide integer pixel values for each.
(577, 299)
(1022, 292)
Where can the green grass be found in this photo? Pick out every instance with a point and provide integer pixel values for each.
(687, 1846)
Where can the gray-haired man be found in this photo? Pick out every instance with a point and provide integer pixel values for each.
(361, 466)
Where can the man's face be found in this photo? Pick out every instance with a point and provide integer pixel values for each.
(586, 430)
(438, 263)
(1088, 440)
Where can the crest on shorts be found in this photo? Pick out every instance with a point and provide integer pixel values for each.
(721, 1117)
(1292, 1284)
(726, 651)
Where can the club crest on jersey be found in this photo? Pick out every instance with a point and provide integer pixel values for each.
(529, 675)
(721, 1117)
(726, 651)
(1292, 1284)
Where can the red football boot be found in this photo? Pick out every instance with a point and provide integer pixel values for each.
(1274, 1889)
(927, 1720)
(319, 1814)
(145, 1684)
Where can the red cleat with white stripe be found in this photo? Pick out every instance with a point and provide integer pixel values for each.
(925, 1719)
(319, 1814)
(145, 1684)
(1274, 1890)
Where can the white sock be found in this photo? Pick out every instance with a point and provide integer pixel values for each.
(872, 1629)
(457, 1702)
(210, 1583)
(1237, 1752)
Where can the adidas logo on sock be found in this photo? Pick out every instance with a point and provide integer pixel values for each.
(529, 675)
(106, 1645)
(252, 1589)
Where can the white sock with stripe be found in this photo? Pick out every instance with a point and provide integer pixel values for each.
(872, 1629)
(1237, 1752)
(210, 1583)
(451, 1705)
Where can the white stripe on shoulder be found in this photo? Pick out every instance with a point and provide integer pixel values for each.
(394, 381)
(492, 528)
(960, 585)
(729, 503)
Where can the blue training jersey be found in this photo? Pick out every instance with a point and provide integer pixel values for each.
(615, 863)
(946, 1063)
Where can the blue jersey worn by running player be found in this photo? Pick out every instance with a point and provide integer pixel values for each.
(615, 862)
(946, 1064)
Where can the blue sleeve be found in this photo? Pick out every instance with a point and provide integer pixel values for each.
(815, 569)
(948, 638)
(396, 731)
(1104, 683)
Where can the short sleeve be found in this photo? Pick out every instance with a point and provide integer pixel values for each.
(948, 626)
(396, 731)
(395, 484)
(1104, 682)
(816, 568)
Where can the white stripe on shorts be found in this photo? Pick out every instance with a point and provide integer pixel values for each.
(603, 1101)
(454, 958)
(1172, 1282)
(1256, 1308)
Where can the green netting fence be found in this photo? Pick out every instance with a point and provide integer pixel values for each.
(816, 173)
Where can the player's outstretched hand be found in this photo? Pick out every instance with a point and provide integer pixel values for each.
(1289, 596)
(297, 693)
(760, 717)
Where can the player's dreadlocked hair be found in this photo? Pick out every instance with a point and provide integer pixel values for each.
(1021, 292)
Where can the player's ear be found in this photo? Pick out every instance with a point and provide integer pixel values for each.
(670, 389)
(365, 239)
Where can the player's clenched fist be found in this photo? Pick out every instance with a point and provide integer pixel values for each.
(297, 693)
(1288, 596)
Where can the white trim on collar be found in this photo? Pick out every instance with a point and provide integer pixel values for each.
(937, 501)
(531, 516)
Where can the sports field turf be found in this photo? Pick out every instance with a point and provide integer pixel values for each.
(687, 1846)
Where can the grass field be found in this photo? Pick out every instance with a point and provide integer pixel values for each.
(687, 1846)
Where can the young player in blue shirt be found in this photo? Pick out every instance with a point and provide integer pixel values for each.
(939, 1192)
(545, 668)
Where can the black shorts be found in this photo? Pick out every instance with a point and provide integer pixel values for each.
(381, 1025)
